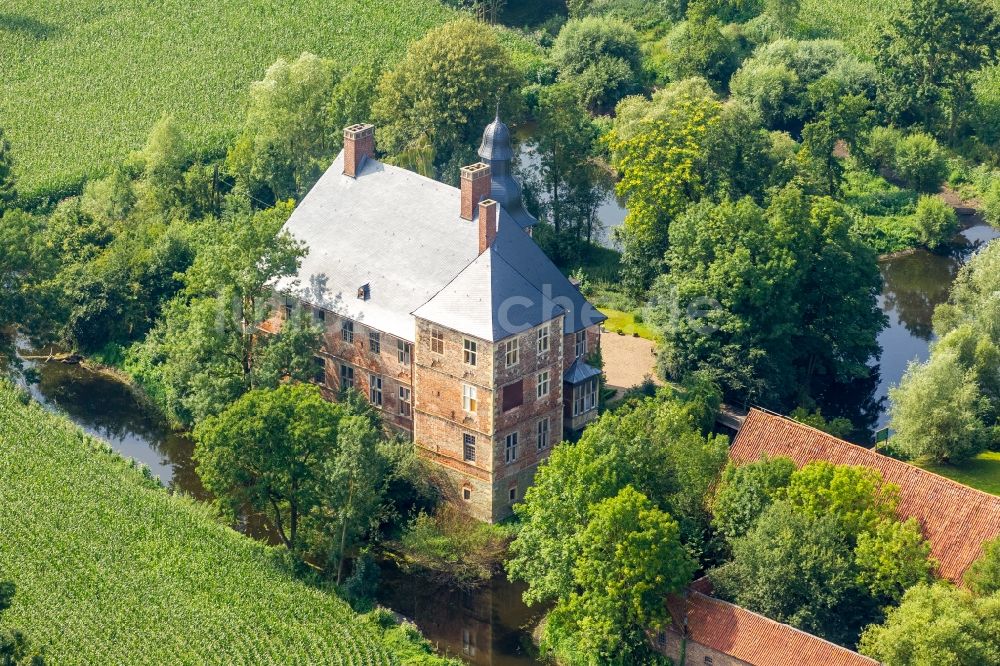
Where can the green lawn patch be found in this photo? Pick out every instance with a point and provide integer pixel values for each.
(112, 569)
(627, 324)
(83, 81)
(982, 472)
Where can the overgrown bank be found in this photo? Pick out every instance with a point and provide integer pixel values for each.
(111, 568)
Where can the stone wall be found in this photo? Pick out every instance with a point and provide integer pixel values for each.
(668, 642)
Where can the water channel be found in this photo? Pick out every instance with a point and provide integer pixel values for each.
(490, 625)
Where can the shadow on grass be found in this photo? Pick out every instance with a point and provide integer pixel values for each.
(18, 23)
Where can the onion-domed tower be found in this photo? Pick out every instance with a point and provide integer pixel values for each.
(496, 151)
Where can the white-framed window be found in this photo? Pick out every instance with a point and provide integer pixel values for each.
(468, 447)
(347, 330)
(319, 370)
(437, 341)
(542, 385)
(403, 350)
(512, 352)
(543, 340)
(542, 430)
(585, 397)
(375, 390)
(470, 351)
(581, 343)
(510, 448)
(469, 398)
(405, 407)
(346, 377)
(375, 341)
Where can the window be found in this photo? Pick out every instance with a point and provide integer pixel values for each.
(584, 397)
(346, 377)
(708, 661)
(403, 351)
(512, 352)
(468, 448)
(319, 316)
(542, 387)
(375, 390)
(470, 351)
(347, 331)
(466, 493)
(319, 372)
(288, 304)
(375, 342)
(581, 343)
(513, 395)
(512, 494)
(661, 639)
(543, 434)
(468, 398)
(405, 408)
(543, 340)
(510, 447)
(437, 341)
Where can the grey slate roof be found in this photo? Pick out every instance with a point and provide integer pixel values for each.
(496, 151)
(580, 372)
(401, 234)
(489, 300)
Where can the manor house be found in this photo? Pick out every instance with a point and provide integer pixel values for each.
(440, 308)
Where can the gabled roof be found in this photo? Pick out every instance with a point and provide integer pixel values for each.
(955, 518)
(489, 300)
(753, 638)
(580, 372)
(401, 234)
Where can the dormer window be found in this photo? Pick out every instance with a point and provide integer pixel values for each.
(364, 292)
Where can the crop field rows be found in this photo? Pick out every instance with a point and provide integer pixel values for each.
(83, 81)
(110, 568)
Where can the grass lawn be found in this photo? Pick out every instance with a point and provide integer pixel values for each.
(982, 472)
(625, 322)
(112, 569)
(83, 81)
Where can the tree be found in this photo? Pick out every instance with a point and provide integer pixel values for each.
(892, 558)
(23, 265)
(745, 492)
(935, 221)
(699, 46)
(8, 182)
(983, 577)
(937, 624)
(353, 482)
(444, 91)
(601, 57)
(660, 158)
(927, 56)
(796, 568)
(920, 162)
(208, 349)
(631, 559)
(266, 452)
(288, 138)
(655, 446)
(773, 303)
(936, 411)
(855, 497)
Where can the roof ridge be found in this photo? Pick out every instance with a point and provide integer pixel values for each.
(806, 634)
(873, 452)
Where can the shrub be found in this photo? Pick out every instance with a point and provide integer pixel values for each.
(991, 203)
(934, 221)
(880, 148)
(601, 56)
(920, 162)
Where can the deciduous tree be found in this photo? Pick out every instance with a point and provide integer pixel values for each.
(601, 57)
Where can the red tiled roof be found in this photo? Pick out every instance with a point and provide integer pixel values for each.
(753, 638)
(955, 518)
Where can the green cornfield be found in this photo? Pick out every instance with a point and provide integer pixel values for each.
(83, 81)
(112, 569)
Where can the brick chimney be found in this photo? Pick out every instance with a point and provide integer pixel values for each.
(359, 143)
(487, 223)
(475, 187)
